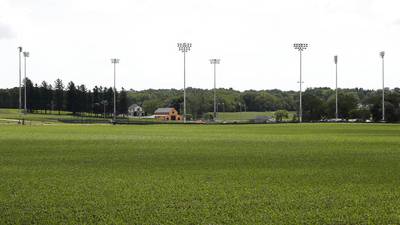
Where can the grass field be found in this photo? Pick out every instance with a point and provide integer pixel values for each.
(199, 174)
(246, 115)
(12, 115)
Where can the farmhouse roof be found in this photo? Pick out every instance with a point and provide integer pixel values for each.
(134, 106)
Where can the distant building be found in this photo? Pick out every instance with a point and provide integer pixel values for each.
(167, 114)
(135, 110)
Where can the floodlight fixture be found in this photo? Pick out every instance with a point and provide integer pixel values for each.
(300, 46)
(114, 61)
(184, 47)
(215, 61)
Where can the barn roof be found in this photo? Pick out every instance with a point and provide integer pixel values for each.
(163, 110)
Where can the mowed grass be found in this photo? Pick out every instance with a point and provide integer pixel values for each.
(198, 174)
(13, 115)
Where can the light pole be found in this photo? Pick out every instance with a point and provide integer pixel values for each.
(20, 71)
(26, 55)
(382, 54)
(184, 47)
(300, 47)
(335, 59)
(215, 62)
(115, 61)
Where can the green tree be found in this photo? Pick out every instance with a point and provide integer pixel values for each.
(280, 115)
(123, 102)
(59, 95)
(347, 101)
(72, 104)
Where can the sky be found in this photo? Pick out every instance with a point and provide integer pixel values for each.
(75, 40)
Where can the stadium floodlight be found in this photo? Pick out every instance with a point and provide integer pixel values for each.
(215, 62)
(115, 61)
(184, 47)
(335, 59)
(382, 54)
(300, 47)
(20, 71)
(26, 55)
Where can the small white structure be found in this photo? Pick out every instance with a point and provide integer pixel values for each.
(135, 110)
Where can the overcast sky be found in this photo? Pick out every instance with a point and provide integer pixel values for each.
(75, 39)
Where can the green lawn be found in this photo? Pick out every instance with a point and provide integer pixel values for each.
(199, 174)
(50, 117)
(246, 115)
(12, 116)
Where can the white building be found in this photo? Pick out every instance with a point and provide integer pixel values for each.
(135, 110)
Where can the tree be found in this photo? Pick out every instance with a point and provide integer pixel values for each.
(97, 107)
(81, 103)
(46, 96)
(59, 95)
(280, 115)
(31, 97)
(347, 101)
(123, 102)
(314, 107)
(360, 114)
(109, 97)
(72, 98)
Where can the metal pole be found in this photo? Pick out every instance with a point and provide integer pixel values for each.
(25, 110)
(184, 86)
(300, 107)
(337, 108)
(115, 95)
(20, 90)
(215, 91)
(383, 88)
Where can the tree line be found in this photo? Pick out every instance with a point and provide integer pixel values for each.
(318, 103)
(76, 99)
